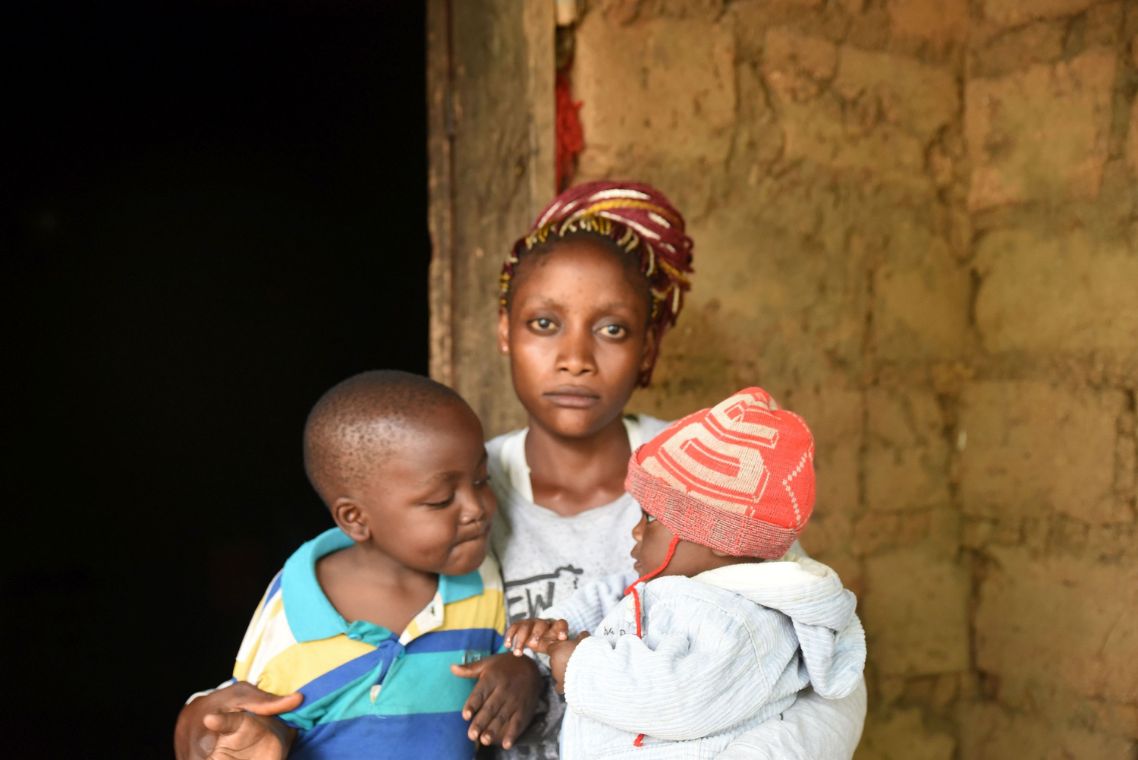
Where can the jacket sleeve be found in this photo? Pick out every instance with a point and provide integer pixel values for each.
(587, 607)
(697, 680)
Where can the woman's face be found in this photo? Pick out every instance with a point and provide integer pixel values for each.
(576, 334)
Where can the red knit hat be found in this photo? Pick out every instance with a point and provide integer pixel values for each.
(738, 477)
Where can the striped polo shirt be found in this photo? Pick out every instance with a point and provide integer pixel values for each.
(368, 692)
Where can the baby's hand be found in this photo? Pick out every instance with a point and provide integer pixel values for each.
(559, 653)
(536, 633)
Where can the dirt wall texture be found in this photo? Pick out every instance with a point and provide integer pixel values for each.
(916, 224)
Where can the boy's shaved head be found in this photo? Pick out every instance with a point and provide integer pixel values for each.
(354, 427)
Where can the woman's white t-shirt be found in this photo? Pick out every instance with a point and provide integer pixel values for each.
(544, 556)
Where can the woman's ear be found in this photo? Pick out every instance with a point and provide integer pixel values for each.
(648, 353)
(351, 519)
(503, 331)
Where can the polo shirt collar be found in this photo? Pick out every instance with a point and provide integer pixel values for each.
(311, 616)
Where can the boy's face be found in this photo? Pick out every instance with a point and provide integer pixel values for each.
(576, 333)
(429, 505)
(652, 541)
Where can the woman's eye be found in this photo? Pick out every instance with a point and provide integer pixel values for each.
(542, 324)
(614, 331)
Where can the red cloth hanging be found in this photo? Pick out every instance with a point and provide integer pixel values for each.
(570, 139)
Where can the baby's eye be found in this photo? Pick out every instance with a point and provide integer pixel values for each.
(614, 331)
(440, 504)
(482, 481)
(542, 324)
(649, 518)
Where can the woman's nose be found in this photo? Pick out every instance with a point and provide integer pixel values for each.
(576, 356)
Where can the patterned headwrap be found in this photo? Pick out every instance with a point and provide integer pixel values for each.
(640, 221)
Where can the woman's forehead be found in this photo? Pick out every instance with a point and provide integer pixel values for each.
(585, 272)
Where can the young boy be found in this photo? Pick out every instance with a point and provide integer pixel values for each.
(682, 665)
(366, 619)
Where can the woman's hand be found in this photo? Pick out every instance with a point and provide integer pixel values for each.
(535, 633)
(235, 723)
(559, 653)
(502, 703)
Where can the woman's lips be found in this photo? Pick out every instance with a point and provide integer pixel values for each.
(572, 397)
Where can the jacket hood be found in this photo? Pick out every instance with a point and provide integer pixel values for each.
(822, 610)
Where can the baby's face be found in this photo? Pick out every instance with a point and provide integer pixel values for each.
(652, 541)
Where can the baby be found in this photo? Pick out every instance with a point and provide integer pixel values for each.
(737, 620)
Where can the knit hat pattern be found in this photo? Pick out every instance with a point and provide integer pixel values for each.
(738, 477)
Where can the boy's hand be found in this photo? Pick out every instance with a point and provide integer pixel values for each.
(559, 653)
(502, 702)
(235, 723)
(535, 633)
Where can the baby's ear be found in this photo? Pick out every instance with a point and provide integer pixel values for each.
(351, 519)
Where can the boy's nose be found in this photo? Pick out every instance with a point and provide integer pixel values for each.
(473, 509)
(638, 528)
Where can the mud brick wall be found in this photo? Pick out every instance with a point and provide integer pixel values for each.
(916, 223)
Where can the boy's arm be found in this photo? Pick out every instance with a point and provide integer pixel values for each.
(502, 703)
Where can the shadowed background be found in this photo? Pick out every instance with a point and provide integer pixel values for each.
(213, 212)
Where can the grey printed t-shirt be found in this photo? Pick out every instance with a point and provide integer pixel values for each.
(545, 556)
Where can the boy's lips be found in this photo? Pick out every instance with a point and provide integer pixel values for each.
(477, 535)
(572, 397)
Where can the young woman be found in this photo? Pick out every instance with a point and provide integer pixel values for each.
(587, 295)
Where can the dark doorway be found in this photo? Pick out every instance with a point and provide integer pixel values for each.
(215, 210)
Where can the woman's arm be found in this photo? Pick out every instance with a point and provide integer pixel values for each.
(235, 722)
(813, 728)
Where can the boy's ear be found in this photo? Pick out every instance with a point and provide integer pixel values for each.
(351, 519)
(503, 331)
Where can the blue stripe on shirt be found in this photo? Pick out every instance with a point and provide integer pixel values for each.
(423, 735)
